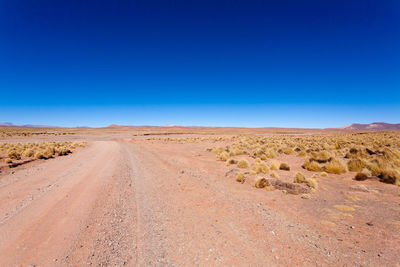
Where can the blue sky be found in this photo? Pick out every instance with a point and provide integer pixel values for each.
(212, 63)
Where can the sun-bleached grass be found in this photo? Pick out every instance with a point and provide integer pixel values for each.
(372, 154)
(38, 150)
(243, 164)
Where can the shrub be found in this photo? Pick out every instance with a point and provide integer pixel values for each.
(302, 153)
(274, 165)
(390, 176)
(299, 178)
(28, 153)
(311, 166)
(284, 167)
(243, 164)
(360, 176)
(356, 165)
(240, 178)
(12, 154)
(39, 155)
(261, 183)
(274, 175)
(321, 157)
(8, 160)
(305, 196)
(232, 161)
(335, 166)
(324, 174)
(223, 156)
(312, 183)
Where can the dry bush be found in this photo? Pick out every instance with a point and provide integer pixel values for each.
(335, 166)
(261, 183)
(302, 153)
(360, 176)
(312, 183)
(321, 157)
(311, 166)
(284, 166)
(243, 164)
(223, 156)
(299, 178)
(8, 160)
(274, 175)
(274, 165)
(240, 178)
(356, 165)
(231, 161)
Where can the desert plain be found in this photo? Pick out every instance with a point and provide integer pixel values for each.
(197, 196)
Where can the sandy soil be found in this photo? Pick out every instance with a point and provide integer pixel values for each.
(135, 202)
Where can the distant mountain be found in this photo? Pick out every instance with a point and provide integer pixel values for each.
(376, 126)
(9, 124)
(3, 124)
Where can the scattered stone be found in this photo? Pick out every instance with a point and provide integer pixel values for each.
(370, 224)
(291, 188)
(360, 188)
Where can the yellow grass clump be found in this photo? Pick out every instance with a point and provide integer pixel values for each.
(240, 178)
(223, 156)
(274, 175)
(243, 164)
(335, 166)
(312, 183)
(311, 166)
(344, 208)
(274, 165)
(284, 166)
(299, 178)
(261, 183)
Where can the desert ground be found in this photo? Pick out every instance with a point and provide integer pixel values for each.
(149, 196)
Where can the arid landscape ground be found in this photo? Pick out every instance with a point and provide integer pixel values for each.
(199, 196)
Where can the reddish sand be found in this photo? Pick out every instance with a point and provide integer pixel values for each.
(136, 202)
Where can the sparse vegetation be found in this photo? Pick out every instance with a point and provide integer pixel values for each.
(371, 154)
(284, 166)
(243, 164)
(17, 151)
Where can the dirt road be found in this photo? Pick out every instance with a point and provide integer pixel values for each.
(121, 203)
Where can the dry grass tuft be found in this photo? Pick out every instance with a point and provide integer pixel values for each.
(261, 183)
(299, 178)
(284, 166)
(360, 176)
(274, 165)
(223, 156)
(240, 178)
(335, 166)
(311, 166)
(274, 175)
(243, 164)
(344, 208)
(312, 183)
(305, 196)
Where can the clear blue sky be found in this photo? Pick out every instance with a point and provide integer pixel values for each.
(209, 62)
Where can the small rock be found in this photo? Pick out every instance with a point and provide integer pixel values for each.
(370, 224)
(352, 227)
(273, 250)
(291, 225)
